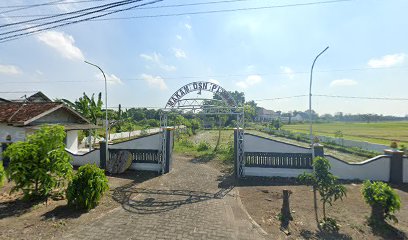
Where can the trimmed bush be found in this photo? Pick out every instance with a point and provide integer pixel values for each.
(384, 201)
(87, 187)
(2, 174)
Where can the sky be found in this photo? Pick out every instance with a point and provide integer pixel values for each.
(266, 53)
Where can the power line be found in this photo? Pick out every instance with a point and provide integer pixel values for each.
(16, 36)
(17, 92)
(59, 2)
(357, 97)
(335, 96)
(104, 7)
(108, 6)
(143, 8)
(206, 76)
(226, 10)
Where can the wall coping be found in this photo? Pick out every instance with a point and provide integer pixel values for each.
(277, 141)
(140, 137)
(80, 155)
(376, 158)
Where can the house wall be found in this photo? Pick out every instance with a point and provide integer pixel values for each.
(59, 116)
(17, 133)
(72, 141)
(253, 143)
(377, 168)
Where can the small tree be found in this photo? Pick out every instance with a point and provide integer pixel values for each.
(87, 187)
(40, 165)
(326, 184)
(339, 134)
(384, 201)
(195, 124)
(2, 174)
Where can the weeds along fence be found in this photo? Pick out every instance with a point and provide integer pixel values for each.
(328, 142)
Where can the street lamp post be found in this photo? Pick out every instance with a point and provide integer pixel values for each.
(310, 100)
(106, 107)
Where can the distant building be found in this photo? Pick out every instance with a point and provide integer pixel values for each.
(265, 115)
(36, 97)
(297, 118)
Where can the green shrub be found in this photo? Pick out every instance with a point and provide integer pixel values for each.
(2, 174)
(186, 143)
(40, 166)
(384, 201)
(87, 187)
(203, 146)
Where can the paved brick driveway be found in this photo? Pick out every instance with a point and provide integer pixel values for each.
(188, 203)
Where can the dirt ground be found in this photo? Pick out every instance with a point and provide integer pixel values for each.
(263, 200)
(24, 220)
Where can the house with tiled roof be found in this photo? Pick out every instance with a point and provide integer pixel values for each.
(19, 119)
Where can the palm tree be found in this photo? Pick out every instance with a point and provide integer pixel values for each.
(89, 108)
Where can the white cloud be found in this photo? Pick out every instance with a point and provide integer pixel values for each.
(66, 6)
(110, 79)
(249, 81)
(179, 37)
(154, 81)
(9, 70)
(63, 43)
(288, 72)
(212, 80)
(343, 83)
(156, 58)
(188, 26)
(387, 60)
(179, 53)
(250, 68)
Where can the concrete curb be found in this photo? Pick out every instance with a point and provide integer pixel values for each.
(253, 222)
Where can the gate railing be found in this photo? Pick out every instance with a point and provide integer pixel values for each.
(139, 155)
(278, 160)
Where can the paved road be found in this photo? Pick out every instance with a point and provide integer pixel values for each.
(191, 202)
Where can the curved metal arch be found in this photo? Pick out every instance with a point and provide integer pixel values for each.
(200, 86)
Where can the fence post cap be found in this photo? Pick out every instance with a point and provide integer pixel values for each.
(393, 151)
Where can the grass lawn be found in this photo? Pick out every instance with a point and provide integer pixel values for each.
(202, 146)
(375, 132)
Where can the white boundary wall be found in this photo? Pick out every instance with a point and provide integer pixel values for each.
(147, 142)
(405, 169)
(82, 159)
(274, 172)
(377, 168)
(253, 143)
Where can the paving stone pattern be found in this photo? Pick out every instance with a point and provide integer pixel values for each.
(184, 204)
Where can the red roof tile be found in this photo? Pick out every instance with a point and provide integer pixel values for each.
(13, 112)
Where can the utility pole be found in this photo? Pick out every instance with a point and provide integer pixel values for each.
(310, 101)
(106, 107)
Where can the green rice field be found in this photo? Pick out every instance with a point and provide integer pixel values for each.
(375, 132)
